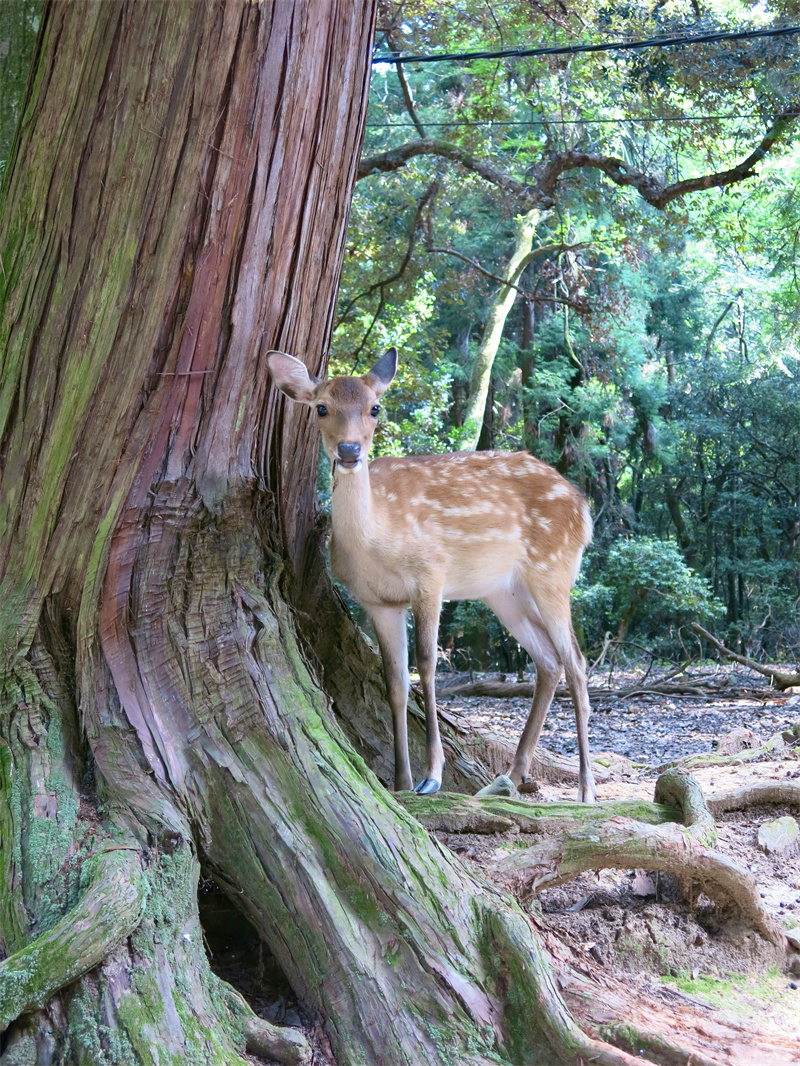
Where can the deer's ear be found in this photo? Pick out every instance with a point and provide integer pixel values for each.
(381, 375)
(292, 377)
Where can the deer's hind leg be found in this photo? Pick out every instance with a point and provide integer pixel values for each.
(390, 629)
(517, 611)
(557, 618)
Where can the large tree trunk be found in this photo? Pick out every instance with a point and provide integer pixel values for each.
(176, 207)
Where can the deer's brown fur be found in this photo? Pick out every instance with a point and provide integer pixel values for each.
(411, 532)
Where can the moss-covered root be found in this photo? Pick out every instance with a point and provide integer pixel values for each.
(535, 1014)
(643, 1042)
(454, 813)
(109, 911)
(676, 788)
(288, 1046)
(782, 793)
(275, 1043)
(622, 844)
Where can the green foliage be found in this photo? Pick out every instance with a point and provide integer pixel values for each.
(644, 582)
(659, 367)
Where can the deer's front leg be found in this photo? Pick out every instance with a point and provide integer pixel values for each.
(426, 627)
(390, 629)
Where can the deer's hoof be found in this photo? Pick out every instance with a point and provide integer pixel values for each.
(427, 786)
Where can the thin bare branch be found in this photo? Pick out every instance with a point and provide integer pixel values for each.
(413, 237)
(781, 679)
(404, 86)
(544, 250)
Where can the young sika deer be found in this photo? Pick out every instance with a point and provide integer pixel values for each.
(412, 532)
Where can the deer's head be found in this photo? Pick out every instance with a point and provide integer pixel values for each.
(347, 408)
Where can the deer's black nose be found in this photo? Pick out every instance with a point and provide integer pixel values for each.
(349, 453)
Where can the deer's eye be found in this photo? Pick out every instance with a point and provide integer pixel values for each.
(322, 410)
(376, 410)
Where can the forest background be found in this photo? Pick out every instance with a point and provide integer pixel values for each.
(646, 347)
(649, 350)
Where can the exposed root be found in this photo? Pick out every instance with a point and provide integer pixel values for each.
(679, 789)
(709, 758)
(643, 1042)
(638, 1018)
(537, 1000)
(454, 813)
(781, 793)
(109, 911)
(277, 1043)
(624, 843)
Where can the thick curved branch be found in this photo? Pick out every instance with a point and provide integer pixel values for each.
(395, 158)
(648, 187)
(109, 911)
(543, 193)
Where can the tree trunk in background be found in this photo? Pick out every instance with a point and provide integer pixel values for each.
(530, 432)
(475, 404)
(176, 206)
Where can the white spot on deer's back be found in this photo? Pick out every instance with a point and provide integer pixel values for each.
(559, 489)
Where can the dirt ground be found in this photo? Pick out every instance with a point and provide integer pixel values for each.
(717, 987)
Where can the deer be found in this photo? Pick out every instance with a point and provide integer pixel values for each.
(411, 532)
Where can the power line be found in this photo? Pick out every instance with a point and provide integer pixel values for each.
(558, 121)
(575, 49)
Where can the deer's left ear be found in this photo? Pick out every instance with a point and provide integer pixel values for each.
(292, 377)
(381, 375)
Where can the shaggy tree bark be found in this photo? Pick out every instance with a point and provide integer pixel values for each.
(175, 207)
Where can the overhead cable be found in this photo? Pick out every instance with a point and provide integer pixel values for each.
(563, 121)
(575, 49)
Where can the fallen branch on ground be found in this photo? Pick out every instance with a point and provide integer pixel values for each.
(503, 690)
(779, 678)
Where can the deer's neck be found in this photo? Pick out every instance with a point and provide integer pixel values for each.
(352, 515)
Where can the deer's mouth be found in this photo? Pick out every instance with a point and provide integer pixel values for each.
(348, 464)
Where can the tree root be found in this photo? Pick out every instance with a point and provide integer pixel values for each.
(775, 744)
(624, 843)
(644, 1042)
(273, 1042)
(496, 753)
(782, 793)
(454, 813)
(637, 1019)
(109, 911)
(525, 968)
